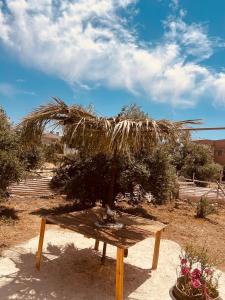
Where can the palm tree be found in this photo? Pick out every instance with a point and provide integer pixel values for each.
(84, 130)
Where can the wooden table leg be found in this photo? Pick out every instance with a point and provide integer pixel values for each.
(103, 253)
(96, 245)
(125, 252)
(156, 250)
(119, 273)
(40, 244)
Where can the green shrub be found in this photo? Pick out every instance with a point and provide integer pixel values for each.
(52, 152)
(204, 208)
(31, 156)
(198, 159)
(163, 175)
(86, 178)
(11, 167)
(89, 178)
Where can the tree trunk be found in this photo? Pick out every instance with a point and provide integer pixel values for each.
(111, 194)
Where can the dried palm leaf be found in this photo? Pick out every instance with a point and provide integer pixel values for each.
(93, 134)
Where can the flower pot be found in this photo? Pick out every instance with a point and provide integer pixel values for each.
(177, 294)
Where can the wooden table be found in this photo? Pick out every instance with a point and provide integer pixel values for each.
(135, 230)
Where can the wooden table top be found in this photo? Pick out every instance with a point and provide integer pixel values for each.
(135, 230)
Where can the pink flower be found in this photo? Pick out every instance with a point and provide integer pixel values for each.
(183, 261)
(195, 283)
(185, 271)
(196, 274)
(208, 271)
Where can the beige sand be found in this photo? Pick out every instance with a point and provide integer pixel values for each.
(71, 270)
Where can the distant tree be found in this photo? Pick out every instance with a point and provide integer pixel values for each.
(133, 111)
(198, 159)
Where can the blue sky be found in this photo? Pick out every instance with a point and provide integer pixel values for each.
(168, 56)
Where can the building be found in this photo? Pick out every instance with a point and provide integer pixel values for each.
(49, 138)
(218, 149)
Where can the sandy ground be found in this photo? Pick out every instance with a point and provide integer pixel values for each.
(71, 270)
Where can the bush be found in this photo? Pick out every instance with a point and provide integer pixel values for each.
(52, 152)
(209, 172)
(204, 208)
(163, 175)
(31, 156)
(198, 159)
(11, 167)
(89, 178)
(86, 178)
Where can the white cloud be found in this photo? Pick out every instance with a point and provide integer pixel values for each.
(9, 90)
(193, 38)
(219, 87)
(21, 80)
(86, 42)
(174, 4)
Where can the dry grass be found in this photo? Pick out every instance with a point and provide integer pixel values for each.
(183, 227)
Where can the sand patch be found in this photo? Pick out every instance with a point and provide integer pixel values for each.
(71, 270)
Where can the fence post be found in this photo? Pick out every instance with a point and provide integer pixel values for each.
(221, 176)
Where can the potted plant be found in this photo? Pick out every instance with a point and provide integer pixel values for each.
(196, 277)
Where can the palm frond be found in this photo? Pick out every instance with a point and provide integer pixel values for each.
(87, 131)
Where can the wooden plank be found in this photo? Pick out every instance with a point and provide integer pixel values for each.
(203, 128)
(220, 186)
(40, 244)
(136, 228)
(90, 216)
(156, 250)
(119, 273)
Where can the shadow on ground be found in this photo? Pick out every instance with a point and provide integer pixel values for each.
(68, 273)
(138, 211)
(61, 209)
(8, 213)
